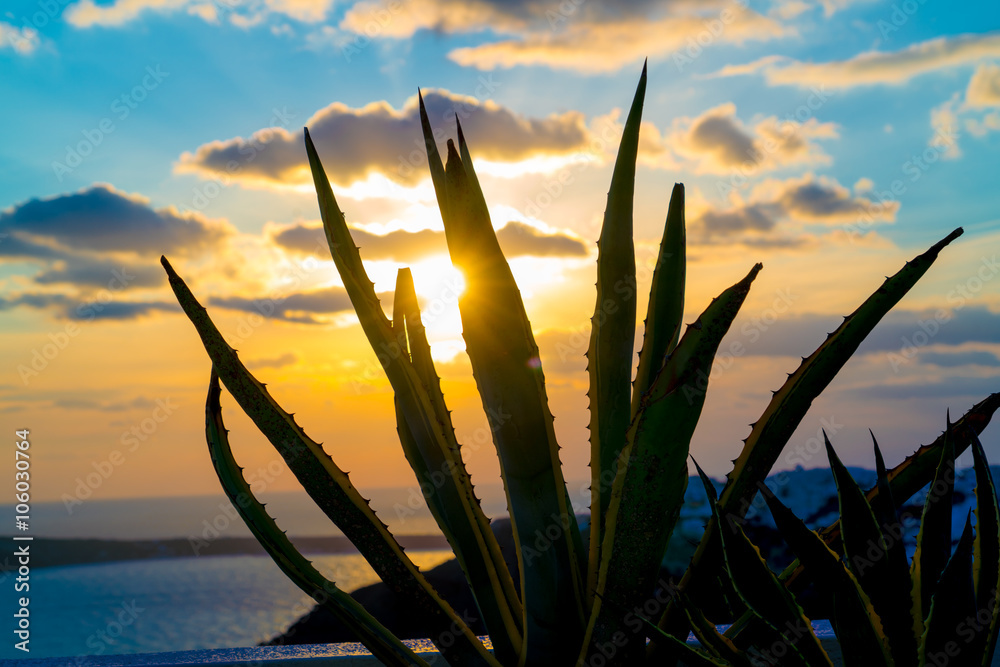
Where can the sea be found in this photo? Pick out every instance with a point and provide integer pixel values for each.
(174, 604)
(186, 603)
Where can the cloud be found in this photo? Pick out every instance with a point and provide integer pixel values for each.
(753, 217)
(299, 307)
(516, 239)
(807, 199)
(101, 273)
(898, 332)
(954, 359)
(286, 359)
(945, 122)
(240, 13)
(83, 311)
(718, 142)
(974, 388)
(984, 87)
(586, 37)
(23, 41)
(101, 218)
(607, 45)
(378, 139)
(876, 67)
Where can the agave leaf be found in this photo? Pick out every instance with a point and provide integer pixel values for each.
(986, 560)
(506, 366)
(885, 510)
(709, 636)
(791, 402)
(948, 632)
(694, 657)
(916, 470)
(761, 591)
(612, 335)
(433, 158)
(934, 538)
(665, 312)
(884, 580)
(330, 487)
(649, 490)
(856, 620)
(448, 488)
(383, 644)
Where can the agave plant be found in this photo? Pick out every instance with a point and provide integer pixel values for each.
(575, 603)
(939, 609)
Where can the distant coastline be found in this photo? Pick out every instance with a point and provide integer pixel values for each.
(55, 552)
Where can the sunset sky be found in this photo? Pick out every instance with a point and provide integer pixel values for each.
(830, 140)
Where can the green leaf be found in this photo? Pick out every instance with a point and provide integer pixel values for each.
(948, 633)
(507, 370)
(383, 644)
(884, 580)
(709, 636)
(330, 487)
(612, 335)
(917, 470)
(857, 622)
(447, 486)
(986, 560)
(934, 538)
(788, 406)
(649, 490)
(664, 315)
(761, 591)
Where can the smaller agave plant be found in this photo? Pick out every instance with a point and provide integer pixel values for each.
(939, 609)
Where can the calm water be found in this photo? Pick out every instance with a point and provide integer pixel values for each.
(172, 604)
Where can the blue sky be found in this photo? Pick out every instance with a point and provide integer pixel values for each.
(830, 140)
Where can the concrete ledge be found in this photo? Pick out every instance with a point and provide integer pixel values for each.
(301, 655)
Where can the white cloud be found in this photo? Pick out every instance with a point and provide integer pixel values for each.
(876, 67)
(586, 37)
(718, 142)
(87, 14)
(984, 87)
(23, 41)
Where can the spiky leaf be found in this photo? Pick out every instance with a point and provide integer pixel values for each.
(447, 487)
(858, 625)
(948, 632)
(986, 557)
(612, 334)
(934, 538)
(383, 644)
(761, 591)
(791, 402)
(330, 487)
(886, 581)
(649, 490)
(507, 370)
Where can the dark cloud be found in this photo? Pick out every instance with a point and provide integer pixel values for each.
(299, 307)
(955, 359)
(516, 239)
(782, 334)
(97, 273)
(377, 138)
(808, 199)
(87, 310)
(723, 136)
(100, 218)
(753, 217)
(972, 388)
